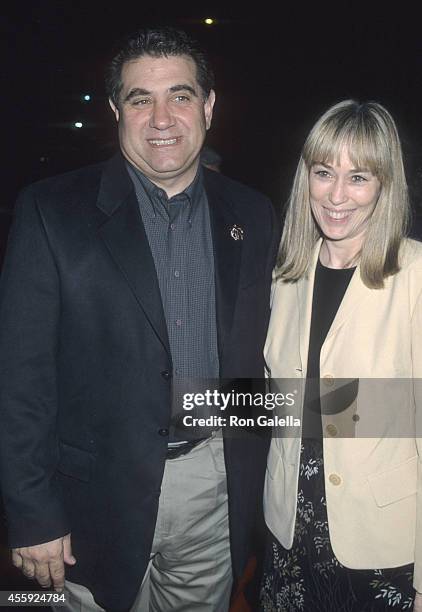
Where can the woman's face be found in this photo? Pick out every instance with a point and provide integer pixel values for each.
(343, 199)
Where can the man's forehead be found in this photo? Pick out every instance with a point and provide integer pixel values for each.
(159, 72)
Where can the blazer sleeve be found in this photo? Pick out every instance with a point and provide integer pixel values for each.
(417, 378)
(29, 328)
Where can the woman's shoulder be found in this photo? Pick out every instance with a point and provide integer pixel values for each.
(411, 254)
(282, 289)
(411, 268)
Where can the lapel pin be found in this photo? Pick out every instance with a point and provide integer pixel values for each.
(236, 232)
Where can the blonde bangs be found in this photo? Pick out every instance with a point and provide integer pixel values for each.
(366, 146)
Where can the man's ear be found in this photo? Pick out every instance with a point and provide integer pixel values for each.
(114, 109)
(208, 106)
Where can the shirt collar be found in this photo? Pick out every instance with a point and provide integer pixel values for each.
(158, 197)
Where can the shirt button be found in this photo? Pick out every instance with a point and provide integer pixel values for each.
(177, 273)
(163, 432)
(172, 226)
(355, 418)
(334, 479)
(166, 374)
(331, 430)
(328, 380)
(178, 322)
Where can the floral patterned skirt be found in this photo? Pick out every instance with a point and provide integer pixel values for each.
(308, 577)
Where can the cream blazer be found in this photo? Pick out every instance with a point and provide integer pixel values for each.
(373, 474)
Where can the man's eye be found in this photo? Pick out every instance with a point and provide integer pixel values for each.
(181, 98)
(141, 101)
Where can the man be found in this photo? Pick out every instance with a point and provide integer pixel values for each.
(121, 280)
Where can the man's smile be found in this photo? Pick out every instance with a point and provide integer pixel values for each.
(164, 142)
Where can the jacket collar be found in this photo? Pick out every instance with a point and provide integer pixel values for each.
(124, 236)
(115, 185)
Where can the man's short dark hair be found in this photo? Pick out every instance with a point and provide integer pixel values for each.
(157, 42)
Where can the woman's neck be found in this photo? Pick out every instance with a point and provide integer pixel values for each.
(340, 254)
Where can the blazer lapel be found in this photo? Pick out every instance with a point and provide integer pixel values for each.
(305, 292)
(125, 238)
(227, 257)
(356, 292)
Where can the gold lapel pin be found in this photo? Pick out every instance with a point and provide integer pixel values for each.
(236, 232)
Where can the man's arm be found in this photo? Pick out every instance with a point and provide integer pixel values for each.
(29, 343)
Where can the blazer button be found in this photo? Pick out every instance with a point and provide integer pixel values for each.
(334, 479)
(166, 374)
(331, 430)
(328, 380)
(163, 432)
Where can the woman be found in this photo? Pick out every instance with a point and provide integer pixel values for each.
(341, 499)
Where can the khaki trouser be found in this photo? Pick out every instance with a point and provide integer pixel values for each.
(190, 564)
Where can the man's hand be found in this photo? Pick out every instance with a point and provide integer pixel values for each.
(417, 606)
(45, 562)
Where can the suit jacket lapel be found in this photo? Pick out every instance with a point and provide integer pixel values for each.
(227, 256)
(125, 237)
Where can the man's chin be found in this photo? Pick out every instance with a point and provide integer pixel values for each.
(163, 172)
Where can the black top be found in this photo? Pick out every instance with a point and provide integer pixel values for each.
(329, 288)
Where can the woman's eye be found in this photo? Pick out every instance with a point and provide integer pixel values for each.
(322, 173)
(357, 178)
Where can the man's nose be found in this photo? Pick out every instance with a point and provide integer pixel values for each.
(338, 193)
(161, 117)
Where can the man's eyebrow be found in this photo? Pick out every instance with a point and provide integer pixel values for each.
(183, 87)
(139, 91)
(136, 91)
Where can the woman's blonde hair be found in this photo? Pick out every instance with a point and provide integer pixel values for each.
(370, 136)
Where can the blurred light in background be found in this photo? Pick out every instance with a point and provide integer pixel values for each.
(78, 124)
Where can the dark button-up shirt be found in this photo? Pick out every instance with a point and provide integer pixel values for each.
(179, 235)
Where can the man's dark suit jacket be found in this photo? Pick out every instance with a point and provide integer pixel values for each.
(85, 369)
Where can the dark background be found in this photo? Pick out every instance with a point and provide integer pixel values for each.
(278, 67)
